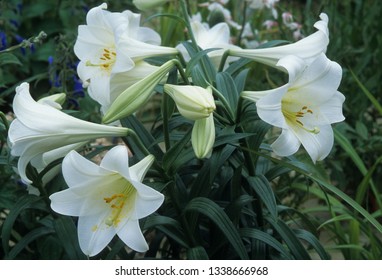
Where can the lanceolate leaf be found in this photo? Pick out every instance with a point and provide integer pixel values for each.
(313, 241)
(24, 202)
(330, 188)
(197, 253)
(169, 226)
(226, 85)
(27, 239)
(217, 215)
(268, 239)
(264, 191)
(67, 233)
(290, 239)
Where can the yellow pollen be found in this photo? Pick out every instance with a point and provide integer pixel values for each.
(117, 203)
(296, 118)
(107, 60)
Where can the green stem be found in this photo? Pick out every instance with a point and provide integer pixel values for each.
(247, 154)
(243, 22)
(183, 6)
(165, 122)
(181, 71)
(226, 54)
(186, 16)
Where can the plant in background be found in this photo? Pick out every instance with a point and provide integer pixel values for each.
(203, 181)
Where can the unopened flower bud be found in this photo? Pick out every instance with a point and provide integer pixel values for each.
(193, 102)
(136, 95)
(203, 137)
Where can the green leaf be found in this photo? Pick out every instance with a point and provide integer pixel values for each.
(313, 241)
(172, 228)
(348, 147)
(263, 189)
(202, 184)
(216, 214)
(24, 202)
(8, 58)
(27, 239)
(290, 239)
(329, 187)
(145, 136)
(267, 239)
(197, 253)
(67, 233)
(201, 59)
(174, 152)
(238, 65)
(368, 94)
(240, 80)
(226, 85)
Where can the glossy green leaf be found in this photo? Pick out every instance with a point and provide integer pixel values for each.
(267, 239)
(174, 153)
(23, 203)
(197, 253)
(66, 231)
(314, 242)
(27, 239)
(168, 226)
(217, 215)
(226, 85)
(290, 238)
(264, 191)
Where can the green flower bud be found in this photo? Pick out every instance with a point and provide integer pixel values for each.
(136, 95)
(193, 102)
(203, 137)
(54, 100)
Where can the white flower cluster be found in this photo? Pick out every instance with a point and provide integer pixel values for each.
(110, 198)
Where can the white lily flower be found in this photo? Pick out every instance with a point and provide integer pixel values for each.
(111, 43)
(305, 107)
(203, 137)
(193, 102)
(308, 48)
(109, 199)
(39, 128)
(207, 38)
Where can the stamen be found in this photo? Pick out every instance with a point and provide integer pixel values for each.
(295, 117)
(117, 203)
(300, 123)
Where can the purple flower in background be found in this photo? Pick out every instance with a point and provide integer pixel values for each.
(3, 40)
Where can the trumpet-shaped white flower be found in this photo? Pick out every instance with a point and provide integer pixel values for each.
(193, 102)
(111, 43)
(208, 38)
(305, 107)
(109, 199)
(308, 48)
(39, 128)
